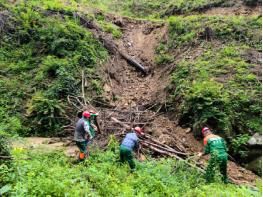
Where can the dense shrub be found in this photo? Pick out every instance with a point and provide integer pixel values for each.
(43, 53)
(252, 2)
(214, 90)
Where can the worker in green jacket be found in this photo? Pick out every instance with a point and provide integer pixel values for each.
(216, 146)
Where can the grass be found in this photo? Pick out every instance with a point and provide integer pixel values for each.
(190, 29)
(148, 9)
(54, 174)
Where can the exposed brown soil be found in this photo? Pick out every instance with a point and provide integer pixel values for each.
(132, 90)
(235, 10)
(126, 88)
(48, 144)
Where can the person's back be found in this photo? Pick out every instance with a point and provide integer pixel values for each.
(130, 141)
(214, 143)
(79, 134)
(216, 146)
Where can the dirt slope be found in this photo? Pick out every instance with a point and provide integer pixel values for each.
(126, 88)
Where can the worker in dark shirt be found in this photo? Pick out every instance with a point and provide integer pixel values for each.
(130, 143)
(84, 133)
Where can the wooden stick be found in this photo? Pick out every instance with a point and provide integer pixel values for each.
(175, 156)
(97, 124)
(119, 122)
(156, 141)
(166, 149)
(83, 88)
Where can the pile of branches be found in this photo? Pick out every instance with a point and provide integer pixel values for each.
(117, 120)
(147, 141)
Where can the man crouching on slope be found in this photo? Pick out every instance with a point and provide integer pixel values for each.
(84, 132)
(129, 143)
(216, 146)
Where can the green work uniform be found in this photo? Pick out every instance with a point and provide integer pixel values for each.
(90, 129)
(126, 155)
(216, 146)
(82, 146)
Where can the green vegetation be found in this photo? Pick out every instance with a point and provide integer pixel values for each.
(215, 90)
(54, 174)
(43, 54)
(156, 9)
(220, 87)
(110, 28)
(41, 58)
(192, 30)
(238, 143)
(151, 8)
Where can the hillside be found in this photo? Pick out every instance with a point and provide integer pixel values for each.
(201, 67)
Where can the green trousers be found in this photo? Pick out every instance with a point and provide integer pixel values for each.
(217, 160)
(83, 149)
(126, 155)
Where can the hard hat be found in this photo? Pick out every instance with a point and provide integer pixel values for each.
(138, 130)
(92, 112)
(204, 130)
(86, 114)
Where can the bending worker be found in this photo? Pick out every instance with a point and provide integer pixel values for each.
(130, 143)
(84, 133)
(216, 146)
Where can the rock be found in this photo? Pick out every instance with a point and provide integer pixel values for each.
(256, 139)
(255, 166)
(188, 130)
(119, 22)
(106, 88)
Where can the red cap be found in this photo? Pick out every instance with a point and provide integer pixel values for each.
(204, 130)
(86, 114)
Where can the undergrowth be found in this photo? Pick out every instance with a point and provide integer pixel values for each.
(218, 83)
(219, 88)
(41, 60)
(156, 9)
(53, 174)
(192, 30)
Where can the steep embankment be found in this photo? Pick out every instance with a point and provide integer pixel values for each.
(72, 48)
(127, 89)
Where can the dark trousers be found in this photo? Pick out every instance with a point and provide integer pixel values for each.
(126, 155)
(83, 149)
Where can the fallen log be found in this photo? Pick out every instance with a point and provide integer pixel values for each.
(119, 122)
(133, 62)
(157, 142)
(166, 149)
(175, 156)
